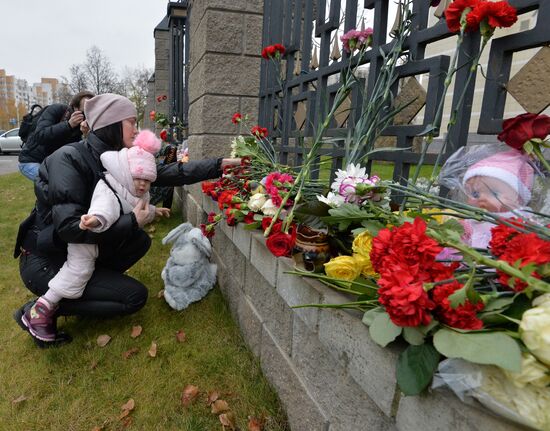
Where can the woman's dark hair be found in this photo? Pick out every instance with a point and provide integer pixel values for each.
(75, 101)
(111, 135)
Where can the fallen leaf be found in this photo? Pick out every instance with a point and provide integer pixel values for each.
(212, 396)
(180, 336)
(124, 414)
(153, 350)
(136, 331)
(219, 406)
(127, 421)
(254, 424)
(228, 420)
(189, 394)
(102, 340)
(93, 365)
(130, 352)
(130, 405)
(160, 295)
(19, 399)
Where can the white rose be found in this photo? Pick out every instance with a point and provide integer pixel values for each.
(256, 202)
(535, 330)
(269, 209)
(532, 372)
(332, 199)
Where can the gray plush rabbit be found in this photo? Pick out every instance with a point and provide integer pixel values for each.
(188, 274)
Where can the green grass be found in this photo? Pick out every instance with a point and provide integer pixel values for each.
(80, 385)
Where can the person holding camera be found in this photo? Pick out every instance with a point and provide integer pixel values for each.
(57, 126)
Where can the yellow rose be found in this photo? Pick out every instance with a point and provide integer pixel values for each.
(532, 372)
(535, 329)
(343, 268)
(365, 264)
(362, 244)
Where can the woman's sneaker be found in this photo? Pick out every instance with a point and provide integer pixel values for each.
(40, 320)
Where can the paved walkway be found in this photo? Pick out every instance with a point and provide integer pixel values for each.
(8, 164)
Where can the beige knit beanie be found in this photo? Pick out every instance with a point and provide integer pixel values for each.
(106, 109)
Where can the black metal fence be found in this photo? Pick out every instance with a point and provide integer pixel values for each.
(293, 112)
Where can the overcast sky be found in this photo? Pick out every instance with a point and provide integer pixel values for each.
(43, 38)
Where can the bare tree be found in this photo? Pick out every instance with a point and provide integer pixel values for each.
(135, 84)
(64, 91)
(78, 80)
(100, 75)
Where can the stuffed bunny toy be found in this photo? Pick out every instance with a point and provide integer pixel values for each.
(188, 274)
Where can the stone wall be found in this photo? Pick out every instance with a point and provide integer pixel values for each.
(327, 371)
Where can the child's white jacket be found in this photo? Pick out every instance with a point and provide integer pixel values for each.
(105, 205)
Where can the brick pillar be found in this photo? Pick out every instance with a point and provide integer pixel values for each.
(225, 46)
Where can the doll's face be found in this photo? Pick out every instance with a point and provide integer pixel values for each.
(491, 194)
(141, 186)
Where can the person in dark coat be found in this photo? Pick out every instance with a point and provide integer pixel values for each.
(64, 189)
(58, 125)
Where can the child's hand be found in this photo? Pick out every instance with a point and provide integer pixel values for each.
(162, 212)
(88, 221)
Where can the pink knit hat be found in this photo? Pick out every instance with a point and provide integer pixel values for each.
(511, 167)
(141, 157)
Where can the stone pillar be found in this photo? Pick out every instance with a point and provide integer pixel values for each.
(224, 65)
(160, 85)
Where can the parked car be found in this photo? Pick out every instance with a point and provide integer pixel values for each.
(2, 131)
(10, 142)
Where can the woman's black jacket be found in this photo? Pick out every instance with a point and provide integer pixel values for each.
(52, 132)
(64, 189)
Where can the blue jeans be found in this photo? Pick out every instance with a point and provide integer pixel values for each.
(30, 170)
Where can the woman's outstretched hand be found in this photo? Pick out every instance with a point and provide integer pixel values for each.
(162, 212)
(230, 162)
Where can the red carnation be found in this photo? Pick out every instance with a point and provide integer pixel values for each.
(500, 237)
(152, 115)
(454, 12)
(237, 118)
(259, 132)
(225, 198)
(522, 250)
(277, 50)
(163, 135)
(497, 14)
(518, 130)
(209, 188)
(464, 316)
(207, 230)
(280, 243)
(249, 218)
(404, 298)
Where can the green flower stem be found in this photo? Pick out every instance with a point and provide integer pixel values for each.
(330, 279)
(452, 121)
(500, 265)
(537, 151)
(439, 113)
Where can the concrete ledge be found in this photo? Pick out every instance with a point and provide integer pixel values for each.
(327, 371)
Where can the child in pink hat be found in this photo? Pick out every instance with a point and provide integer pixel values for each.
(500, 184)
(125, 185)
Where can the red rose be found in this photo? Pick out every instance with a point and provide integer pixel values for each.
(518, 130)
(454, 11)
(163, 135)
(497, 14)
(404, 298)
(464, 316)
(280, 243)
(237, 118)
(259, 132)
(266, 221)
